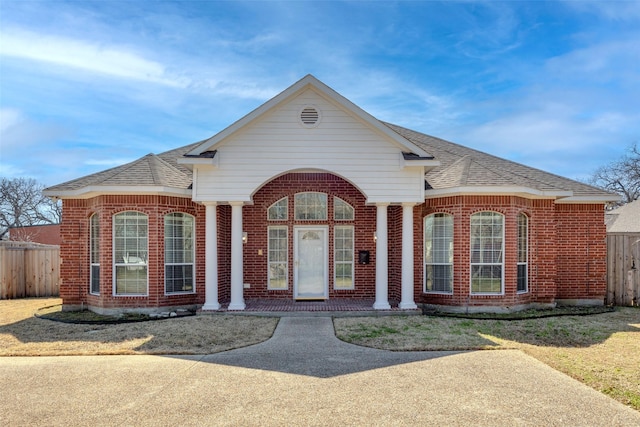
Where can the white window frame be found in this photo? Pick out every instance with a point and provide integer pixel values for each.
(192, 256)
(482, 253)
(337, 262)
(130, 264)
(524, 263)
(277, 205)
(285, 262)
(94, 240)
(346, 207)
(299, 204)
(433, 216)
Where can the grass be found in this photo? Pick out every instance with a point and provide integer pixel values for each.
(22, 334)
(600, 350)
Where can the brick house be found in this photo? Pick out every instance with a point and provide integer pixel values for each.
(309, 197)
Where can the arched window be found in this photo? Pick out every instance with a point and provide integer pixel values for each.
(342, 211)
(178, 253)
(130, 249)
(487, 249)
(94, 253)
(279, 211)
(523, 253)
(438, 253)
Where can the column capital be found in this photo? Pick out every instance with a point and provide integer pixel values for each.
(209, 203)
(236, 203)
(408, 204)
(382, 204)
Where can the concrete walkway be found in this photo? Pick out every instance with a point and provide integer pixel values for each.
(302, 376)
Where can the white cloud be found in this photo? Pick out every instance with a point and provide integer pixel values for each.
(18, 132)
(89, 56)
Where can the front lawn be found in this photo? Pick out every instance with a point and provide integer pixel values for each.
(600, 350)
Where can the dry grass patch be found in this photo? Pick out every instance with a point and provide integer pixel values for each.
(22, 334)
(602, 350)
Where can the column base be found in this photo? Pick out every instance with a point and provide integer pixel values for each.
(407, 306)
(211, 307)
(381, 306)
(236, 306)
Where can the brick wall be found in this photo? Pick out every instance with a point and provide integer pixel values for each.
(567, 250)
(74, 288)
(581, 256)
(567, 247)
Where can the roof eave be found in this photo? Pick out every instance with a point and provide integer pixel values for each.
(600, 198)
(527, 192)
(104, 190)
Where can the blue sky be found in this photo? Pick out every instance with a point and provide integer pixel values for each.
(88, 85)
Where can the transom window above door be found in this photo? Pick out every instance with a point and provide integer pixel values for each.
(310, 206)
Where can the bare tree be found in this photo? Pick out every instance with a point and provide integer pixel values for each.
(22, 204)
(621, 176)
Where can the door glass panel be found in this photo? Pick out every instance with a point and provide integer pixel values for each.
(311, 265)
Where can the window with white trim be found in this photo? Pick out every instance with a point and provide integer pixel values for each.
(343, 257)
(178, 253)
(130, 249)
(342, 211)
(310, 206)
(279, 211)
(487, 249)
(438, 253)
(278, 257)
(523, 253)
(94, 253)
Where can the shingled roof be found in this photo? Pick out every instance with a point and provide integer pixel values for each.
(460, 168)
(161, 170)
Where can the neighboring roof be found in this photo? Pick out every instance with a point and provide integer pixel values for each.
(625, 219)
(471, 170)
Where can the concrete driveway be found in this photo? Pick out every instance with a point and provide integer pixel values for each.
(302, 376)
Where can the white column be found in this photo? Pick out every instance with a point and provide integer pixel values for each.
(211, 258)
(237, 276)
(382, 259)
(406, 300)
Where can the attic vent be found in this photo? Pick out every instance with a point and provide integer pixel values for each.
(310, 116)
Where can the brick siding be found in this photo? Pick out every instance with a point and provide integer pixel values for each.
(567, 248)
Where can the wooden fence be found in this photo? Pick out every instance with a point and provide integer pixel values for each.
(623, 269)
(29, 270)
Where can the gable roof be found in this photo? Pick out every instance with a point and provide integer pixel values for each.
(309, 82)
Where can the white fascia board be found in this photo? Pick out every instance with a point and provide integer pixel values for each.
(526, 192)
(591, 199)
(190, 162)
(427, 163)
(331, 95)
(99, 190)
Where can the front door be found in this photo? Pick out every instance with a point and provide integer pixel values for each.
(311, 263)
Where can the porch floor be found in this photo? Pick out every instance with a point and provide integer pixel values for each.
(344, 307)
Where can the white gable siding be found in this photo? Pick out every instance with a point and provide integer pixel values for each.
(277, 143)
